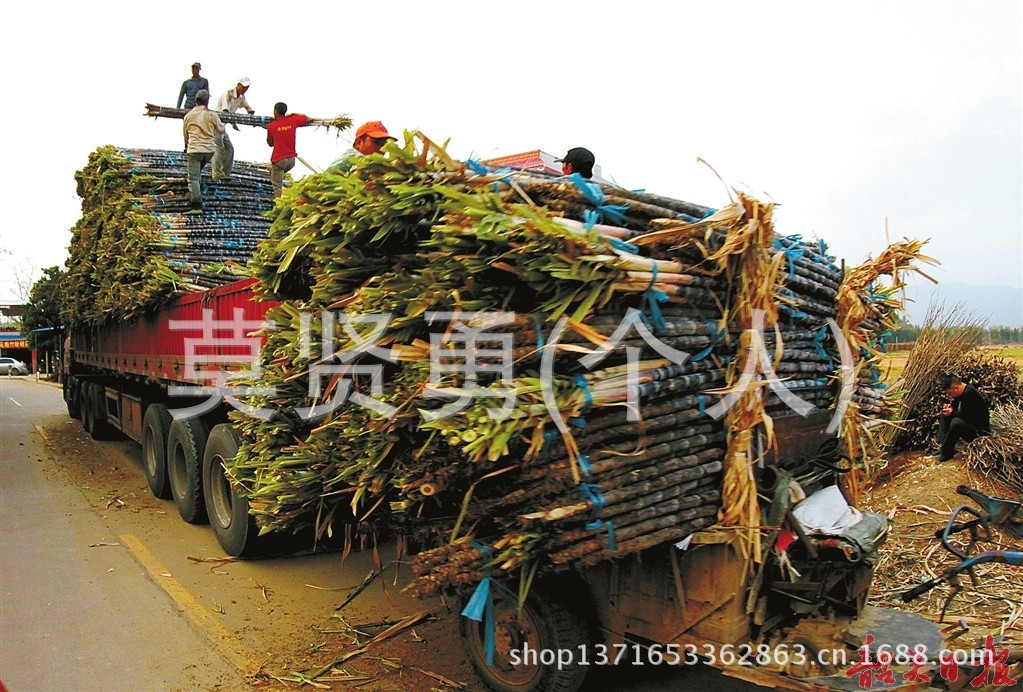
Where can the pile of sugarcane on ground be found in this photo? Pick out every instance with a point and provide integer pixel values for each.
(521, 373)
(134, 247)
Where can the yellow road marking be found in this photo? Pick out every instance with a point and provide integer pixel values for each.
(226, 642)
(42, 432)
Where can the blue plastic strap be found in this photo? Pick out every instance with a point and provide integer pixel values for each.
(710, 212)
(538, 321)
(652, 299)
(591, 191)
(613, 214)
(548, 438)
(715, 337)
(701, 404)
(577, 422)
(581, 382)
(881, 342)
(476, 166)
(619, 244)
(591, 492)
(590, 219)
(480, 607)
(608, 213)
(584, 465)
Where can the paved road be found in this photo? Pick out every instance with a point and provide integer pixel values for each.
(103, 587)
(74, 617)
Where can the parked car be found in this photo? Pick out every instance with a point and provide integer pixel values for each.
(12, 366)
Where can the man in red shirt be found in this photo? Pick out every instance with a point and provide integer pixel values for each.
(280, 134)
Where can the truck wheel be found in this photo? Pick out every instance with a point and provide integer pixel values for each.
(95, 408)
(545, 623)
(228, 509)
(155, 430)
(82, 396)
(74, 408)
(186, 443)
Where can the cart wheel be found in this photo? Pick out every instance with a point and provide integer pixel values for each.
(186, 443)
(155, 430)
(227, 508)
(545, 623)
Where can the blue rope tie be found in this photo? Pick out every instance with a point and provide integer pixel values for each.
(577, 422)
(548, 438)
(619, 244)
(581, 382)
(608, 213)
(881, 342)
(480, 607)
(538, 321)
(652, 299)
(584, 465)
(591, 492)
(476, 166)
(715, 337)
(710, 213)
(701, 404)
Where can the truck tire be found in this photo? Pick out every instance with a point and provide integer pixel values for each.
(186, 443)
(155, 431)
(545, 623)
(95, 412)
(227, 508)
(74, 407)
(82, 396)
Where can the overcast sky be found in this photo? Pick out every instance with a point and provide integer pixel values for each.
(845, 113)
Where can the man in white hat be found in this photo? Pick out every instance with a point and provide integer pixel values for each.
(230, 101)
(190, 87)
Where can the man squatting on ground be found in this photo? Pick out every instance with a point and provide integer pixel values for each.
(963, 419)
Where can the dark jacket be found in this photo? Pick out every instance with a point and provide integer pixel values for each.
(971, 407)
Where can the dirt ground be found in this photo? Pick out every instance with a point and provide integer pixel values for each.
(919, 494)
(286, 608)
(283, 608)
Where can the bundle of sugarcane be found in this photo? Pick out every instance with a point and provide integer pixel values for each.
(866, 311)
(998, 380)
(133, 247)
(580, 464)
(1001, 453)
(339, 123)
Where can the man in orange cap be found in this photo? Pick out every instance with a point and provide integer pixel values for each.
(369, 139)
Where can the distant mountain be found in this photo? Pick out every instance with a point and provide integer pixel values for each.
(998, 306)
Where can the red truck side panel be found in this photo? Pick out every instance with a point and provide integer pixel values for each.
(149, 347)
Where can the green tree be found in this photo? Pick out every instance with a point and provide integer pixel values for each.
(42, 312)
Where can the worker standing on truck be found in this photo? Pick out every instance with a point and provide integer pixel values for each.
(369, 139)
(191, 86)
(201, 127)
(578, 160)
(231, 101)
(280, 134)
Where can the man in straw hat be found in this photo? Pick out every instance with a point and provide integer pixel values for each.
(191, 86)
(230, 101)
